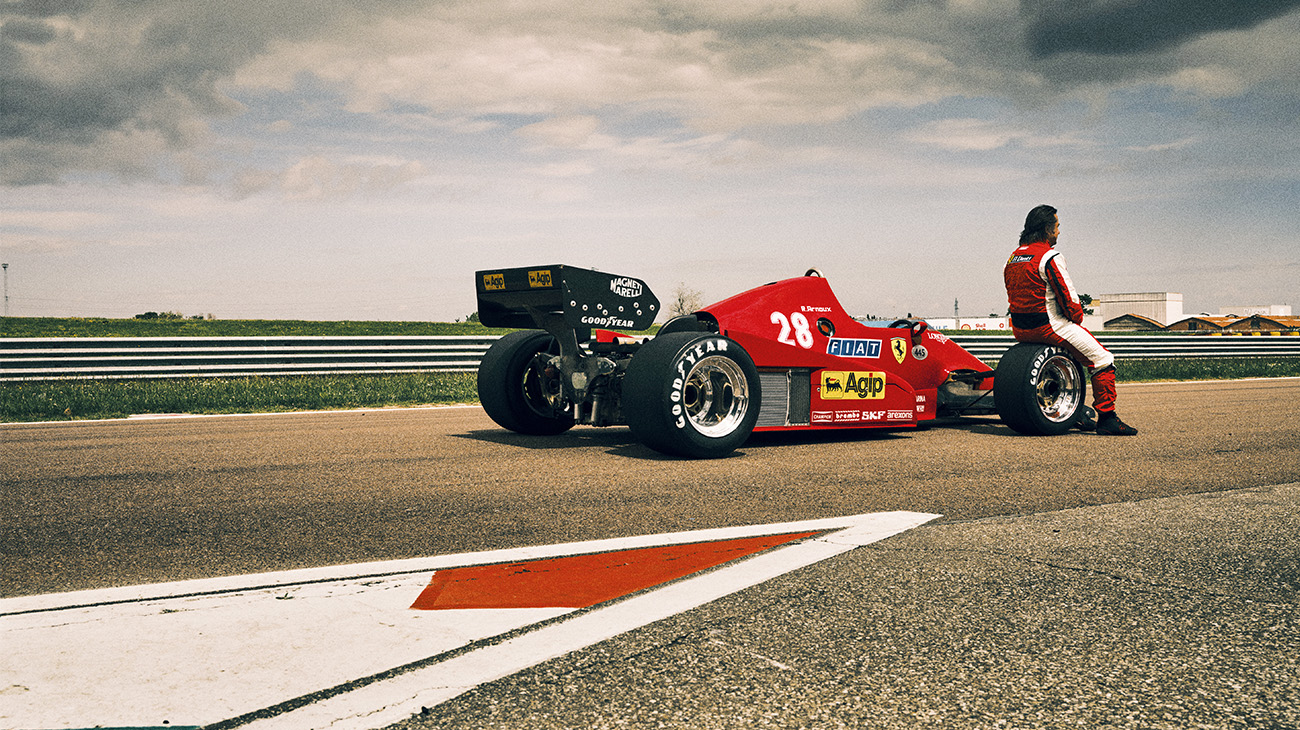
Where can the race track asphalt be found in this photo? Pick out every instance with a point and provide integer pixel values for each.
(1076, 581)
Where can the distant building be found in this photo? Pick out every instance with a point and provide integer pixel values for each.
(969, 323)
(1132, 323)
(1258, 323)
(1203, 323)
(1163, 307)
(1266, 310)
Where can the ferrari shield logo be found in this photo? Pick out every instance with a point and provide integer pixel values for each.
(899, 346)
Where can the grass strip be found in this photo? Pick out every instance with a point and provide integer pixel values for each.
(53, 400)
(100, 327)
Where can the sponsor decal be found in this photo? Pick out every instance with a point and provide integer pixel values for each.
(851, 416)
(848, 347)
(607, 321)
(852, 385)
(1021, 259)
(899, 346)
(494, 282)
(900, 415)
(685, 362)
(937, 337)
(920, 353)
(540, 279)
(626, 287)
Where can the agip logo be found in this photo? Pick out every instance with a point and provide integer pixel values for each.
(852, 385)
(539, 279)
(494, 282)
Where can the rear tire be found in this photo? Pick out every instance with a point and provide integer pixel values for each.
(691, 394)
(515, 390)
(1039, 389)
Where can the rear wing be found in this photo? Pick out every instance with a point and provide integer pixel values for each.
(529, 296)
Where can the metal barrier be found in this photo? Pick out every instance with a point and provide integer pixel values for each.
(991, 347)
(172, 357)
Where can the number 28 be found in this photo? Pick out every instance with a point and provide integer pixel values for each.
(796, 323)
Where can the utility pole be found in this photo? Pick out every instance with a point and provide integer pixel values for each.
(6, 268)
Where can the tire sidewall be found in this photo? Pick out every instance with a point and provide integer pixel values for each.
(654, 387)
(500, 376)
(1016, 389)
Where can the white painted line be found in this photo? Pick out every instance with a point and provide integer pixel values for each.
(357, 571)
(383, 703)
(199, 652)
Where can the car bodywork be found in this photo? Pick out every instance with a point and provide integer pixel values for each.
(784, 356)
(821, 368)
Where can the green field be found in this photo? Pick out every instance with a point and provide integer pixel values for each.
(103, 398)
(56, 400)
(91, 327)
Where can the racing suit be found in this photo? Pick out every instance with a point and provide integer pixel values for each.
(1046, 309)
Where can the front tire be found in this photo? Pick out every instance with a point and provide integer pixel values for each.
(1039, 389)
(517, 391)
(691, 394)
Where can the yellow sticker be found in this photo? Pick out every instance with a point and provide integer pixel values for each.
(539, 279)
(899, 346)
(853, 385)
(494, 282)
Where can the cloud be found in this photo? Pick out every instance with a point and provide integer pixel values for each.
(318, 177)
(1111, 27)
(132, 89)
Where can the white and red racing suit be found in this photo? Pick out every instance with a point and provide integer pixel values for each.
(1046, 309)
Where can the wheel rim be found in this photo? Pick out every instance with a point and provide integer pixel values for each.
(716, 396)
(1060, 389)
(543, 392)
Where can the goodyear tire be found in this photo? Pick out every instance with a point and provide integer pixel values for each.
(691, 394)
(1039, 389)
(516, 392)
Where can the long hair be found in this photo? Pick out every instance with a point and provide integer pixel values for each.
(1038, 224)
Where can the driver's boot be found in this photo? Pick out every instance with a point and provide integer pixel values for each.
(1108, 424)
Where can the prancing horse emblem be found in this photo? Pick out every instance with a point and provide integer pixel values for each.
(899, 346)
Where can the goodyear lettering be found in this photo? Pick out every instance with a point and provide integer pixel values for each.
(841, 385)
(607, 321)
(688, 360)
(494, 282)
(626, 287)
(848, 347)
(540, 279)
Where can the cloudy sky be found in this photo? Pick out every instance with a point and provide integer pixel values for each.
(323, 159)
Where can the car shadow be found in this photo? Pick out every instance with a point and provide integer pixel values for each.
(619, 441)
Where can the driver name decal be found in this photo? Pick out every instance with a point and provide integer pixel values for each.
(852, 385)
(848, 347)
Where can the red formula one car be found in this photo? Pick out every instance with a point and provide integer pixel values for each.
(780, 357)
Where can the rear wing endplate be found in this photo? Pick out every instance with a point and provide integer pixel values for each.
(532, 296)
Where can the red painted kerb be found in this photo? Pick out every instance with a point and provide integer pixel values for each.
(578, 581)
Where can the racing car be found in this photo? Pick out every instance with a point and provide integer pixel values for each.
(784, 356)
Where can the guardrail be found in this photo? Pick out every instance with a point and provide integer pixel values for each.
(41, 358)
(991, 347)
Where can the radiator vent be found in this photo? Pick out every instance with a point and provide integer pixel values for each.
(786, 398)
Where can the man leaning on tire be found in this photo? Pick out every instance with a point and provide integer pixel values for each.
(1046, 309)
